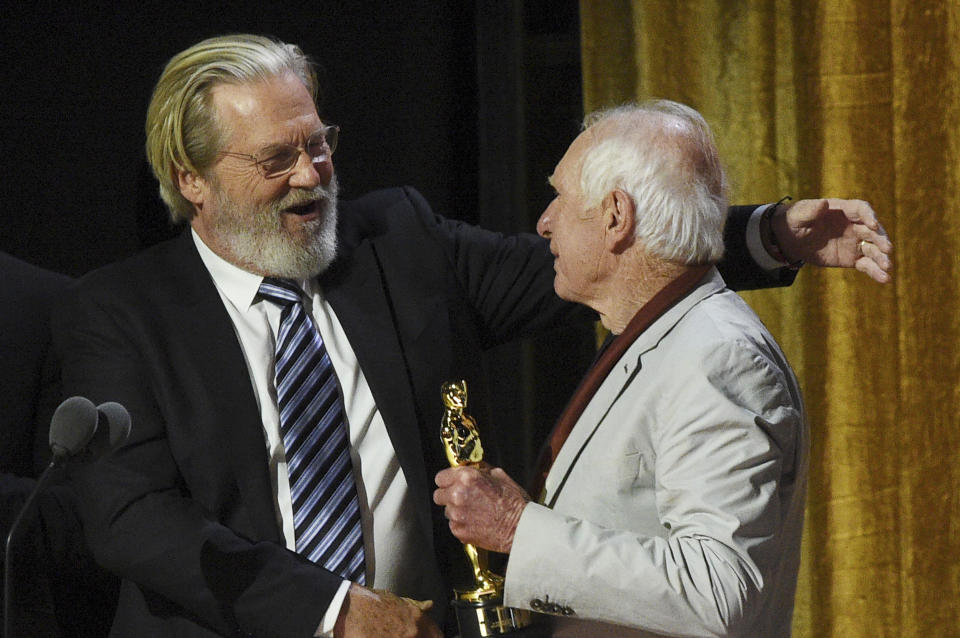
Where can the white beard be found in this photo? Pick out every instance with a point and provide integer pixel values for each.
(255, 235)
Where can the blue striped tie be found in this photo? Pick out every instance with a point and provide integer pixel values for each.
(326, 511)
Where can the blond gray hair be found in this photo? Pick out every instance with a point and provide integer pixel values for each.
(183, 133)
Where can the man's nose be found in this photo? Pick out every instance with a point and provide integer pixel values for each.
(543, 224)
(311, 172)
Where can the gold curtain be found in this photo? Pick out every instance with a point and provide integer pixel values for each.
(847, 98)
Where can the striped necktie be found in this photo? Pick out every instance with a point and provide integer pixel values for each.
(326, 511)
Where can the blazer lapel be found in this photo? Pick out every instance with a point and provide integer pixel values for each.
(356, 292)
(623, 373)
(225, 391)
(588, 423)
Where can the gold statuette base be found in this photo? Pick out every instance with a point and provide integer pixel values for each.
(478, 619)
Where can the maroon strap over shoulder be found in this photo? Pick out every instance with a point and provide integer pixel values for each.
(648, 313)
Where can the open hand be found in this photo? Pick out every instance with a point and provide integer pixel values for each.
(834, 232)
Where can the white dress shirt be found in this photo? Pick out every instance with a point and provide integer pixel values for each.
(385, 502)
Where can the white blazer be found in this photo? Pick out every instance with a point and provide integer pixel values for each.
(676, 505)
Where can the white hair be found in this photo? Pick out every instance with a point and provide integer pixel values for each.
(662, 154)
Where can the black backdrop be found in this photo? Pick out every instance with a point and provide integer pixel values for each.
(471, 102)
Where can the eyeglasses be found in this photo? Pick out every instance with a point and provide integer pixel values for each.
(277, 160)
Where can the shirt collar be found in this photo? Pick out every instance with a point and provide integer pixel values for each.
(236, 284)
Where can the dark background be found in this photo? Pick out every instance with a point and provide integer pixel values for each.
(473, 103)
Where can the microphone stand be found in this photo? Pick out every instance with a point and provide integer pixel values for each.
(55, 462)
(73, 427)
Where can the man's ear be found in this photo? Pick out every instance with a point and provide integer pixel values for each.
(192, 187)
(619, 217)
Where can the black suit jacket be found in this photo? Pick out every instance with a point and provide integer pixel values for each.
(28, 380)
(55, 587)
(184, 511)
(28, 394)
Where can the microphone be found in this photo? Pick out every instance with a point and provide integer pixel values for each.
(78, 429)
(73, 425)
(77, 426)
(118, 422)
(112, 429)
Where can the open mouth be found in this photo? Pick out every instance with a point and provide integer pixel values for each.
(303, 210)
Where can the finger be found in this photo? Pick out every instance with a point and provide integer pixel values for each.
(422, 605)
(870, 268)
(875, 253)
(876, 237)
(472, 476)
(873, 245)
(446, 497)
(447, 477)
(856, 210)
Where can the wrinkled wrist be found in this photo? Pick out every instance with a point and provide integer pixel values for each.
(510, 527)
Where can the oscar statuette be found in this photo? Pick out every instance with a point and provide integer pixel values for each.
(479, 607)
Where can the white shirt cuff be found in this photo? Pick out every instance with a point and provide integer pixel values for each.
(755, 244)
(333, 611)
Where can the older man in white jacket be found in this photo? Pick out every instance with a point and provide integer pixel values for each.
(674, 502)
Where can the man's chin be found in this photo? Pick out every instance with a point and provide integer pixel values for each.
(301, 231)
(295, 239)
(564, 292)
(307, 250)
(295, 262)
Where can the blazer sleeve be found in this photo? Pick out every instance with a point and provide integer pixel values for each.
(738, 268)
(719, 469)
(507, 279)
(139, 518)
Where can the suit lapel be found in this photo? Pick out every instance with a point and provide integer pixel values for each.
(588, 423)
(226, 392)
(356, 291)
(624, 372)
